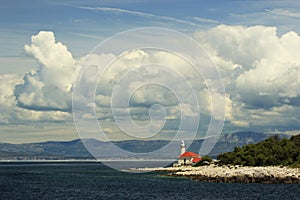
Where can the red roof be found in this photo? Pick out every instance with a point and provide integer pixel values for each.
(189, 154)
(195, 160)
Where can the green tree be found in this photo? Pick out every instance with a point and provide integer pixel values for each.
(272, 151)
(205, 159)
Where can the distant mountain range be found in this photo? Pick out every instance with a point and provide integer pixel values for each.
(76, 150)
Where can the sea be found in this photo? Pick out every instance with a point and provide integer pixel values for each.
(94, 180)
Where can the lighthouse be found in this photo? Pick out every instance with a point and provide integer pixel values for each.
(182, 147)
(186, 158)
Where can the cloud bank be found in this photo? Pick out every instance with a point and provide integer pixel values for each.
(261, 72)
(261, 69)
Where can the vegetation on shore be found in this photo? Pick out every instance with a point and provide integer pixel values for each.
(206, 160)
(270, 152)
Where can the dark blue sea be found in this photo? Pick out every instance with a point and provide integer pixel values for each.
(96, 181)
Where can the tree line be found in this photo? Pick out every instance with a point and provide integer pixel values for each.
(272, 151)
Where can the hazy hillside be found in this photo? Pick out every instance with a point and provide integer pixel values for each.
(227, 142)
(76, 149)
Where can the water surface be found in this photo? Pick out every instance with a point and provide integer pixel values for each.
(96, 181)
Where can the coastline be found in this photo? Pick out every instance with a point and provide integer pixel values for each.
(233, 174)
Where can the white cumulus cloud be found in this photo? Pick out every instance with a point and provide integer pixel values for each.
(261, 71)
(7, 98)
(50, 87)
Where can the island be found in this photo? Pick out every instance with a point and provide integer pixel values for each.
(274, 160)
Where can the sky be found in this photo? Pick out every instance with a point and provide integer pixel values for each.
(254, 45)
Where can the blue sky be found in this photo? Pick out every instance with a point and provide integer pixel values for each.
(71, 22)
(219, 26)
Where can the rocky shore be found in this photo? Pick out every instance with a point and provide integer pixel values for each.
(234, 174)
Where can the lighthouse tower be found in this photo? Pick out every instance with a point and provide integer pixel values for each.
(182, 147)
